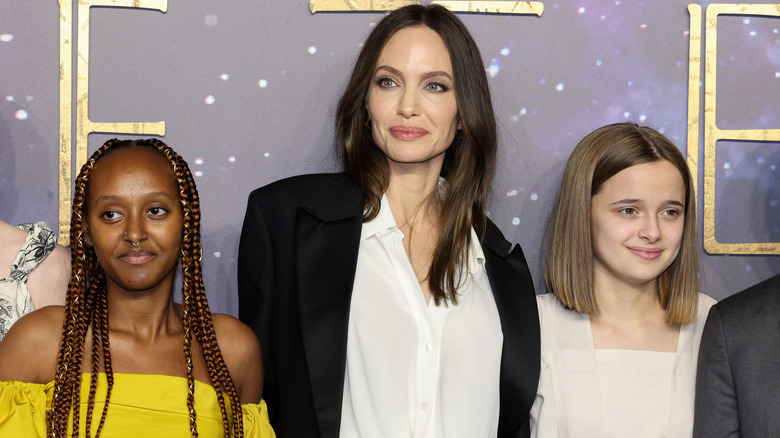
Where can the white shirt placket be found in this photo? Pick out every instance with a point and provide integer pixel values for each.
(428, 319)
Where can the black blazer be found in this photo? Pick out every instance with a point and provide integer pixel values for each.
(296, 266)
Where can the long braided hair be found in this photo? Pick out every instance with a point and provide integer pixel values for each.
(86, 308)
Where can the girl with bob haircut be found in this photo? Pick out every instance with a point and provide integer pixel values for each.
(622, 321)
(121, 357)
(386, 302)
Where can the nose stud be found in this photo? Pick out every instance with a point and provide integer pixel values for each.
(135, 244)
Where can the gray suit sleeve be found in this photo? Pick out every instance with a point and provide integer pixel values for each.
(715, 413)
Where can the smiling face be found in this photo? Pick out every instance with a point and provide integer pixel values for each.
(133, 199)
(637, 223)
(411, 99)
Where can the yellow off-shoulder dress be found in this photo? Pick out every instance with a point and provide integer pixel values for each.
(141, 405)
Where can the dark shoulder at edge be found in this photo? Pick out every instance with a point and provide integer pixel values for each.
(312, 184)
(756, 297)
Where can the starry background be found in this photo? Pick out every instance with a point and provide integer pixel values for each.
(248, 90)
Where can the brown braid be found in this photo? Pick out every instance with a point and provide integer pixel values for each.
(93, 381)
(98, 306)
(107, 358)
(206, 336)
(67, 382)
(87, 308)
(196, 313)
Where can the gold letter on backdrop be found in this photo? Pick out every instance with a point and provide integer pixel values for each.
(711, 132)
(694, 79)
(485, 7)
(66, 90)
(84, 126)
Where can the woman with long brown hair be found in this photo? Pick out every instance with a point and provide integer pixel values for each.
(122, 358)
(386, 302)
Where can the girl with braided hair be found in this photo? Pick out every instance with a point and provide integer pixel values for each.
(121, 356)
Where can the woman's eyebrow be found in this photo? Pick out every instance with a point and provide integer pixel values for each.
(424, 76)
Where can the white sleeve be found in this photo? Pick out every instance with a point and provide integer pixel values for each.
(544, 415)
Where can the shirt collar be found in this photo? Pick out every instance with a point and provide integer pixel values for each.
(383, 223)
(476, 256)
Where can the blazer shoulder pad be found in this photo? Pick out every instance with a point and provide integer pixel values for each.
(329, 196)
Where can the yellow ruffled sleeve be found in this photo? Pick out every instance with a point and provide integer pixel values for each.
(23, 408)
(256, 423)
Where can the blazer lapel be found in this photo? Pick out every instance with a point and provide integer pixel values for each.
(327, 243)
(513, 291)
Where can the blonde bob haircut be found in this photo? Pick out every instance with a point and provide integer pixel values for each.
(568, 272)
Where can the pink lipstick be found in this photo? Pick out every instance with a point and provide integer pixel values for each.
(407, 132)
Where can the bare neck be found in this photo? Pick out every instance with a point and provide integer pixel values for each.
(414, 200)
(413, 193)
(631, 318)
(618, 301)
(145, 316)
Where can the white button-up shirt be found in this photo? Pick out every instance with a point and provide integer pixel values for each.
(415, 369)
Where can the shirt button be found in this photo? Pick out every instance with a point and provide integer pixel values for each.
(429, 347)
(424, 406)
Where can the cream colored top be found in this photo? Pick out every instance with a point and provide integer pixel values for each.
(585, 392)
